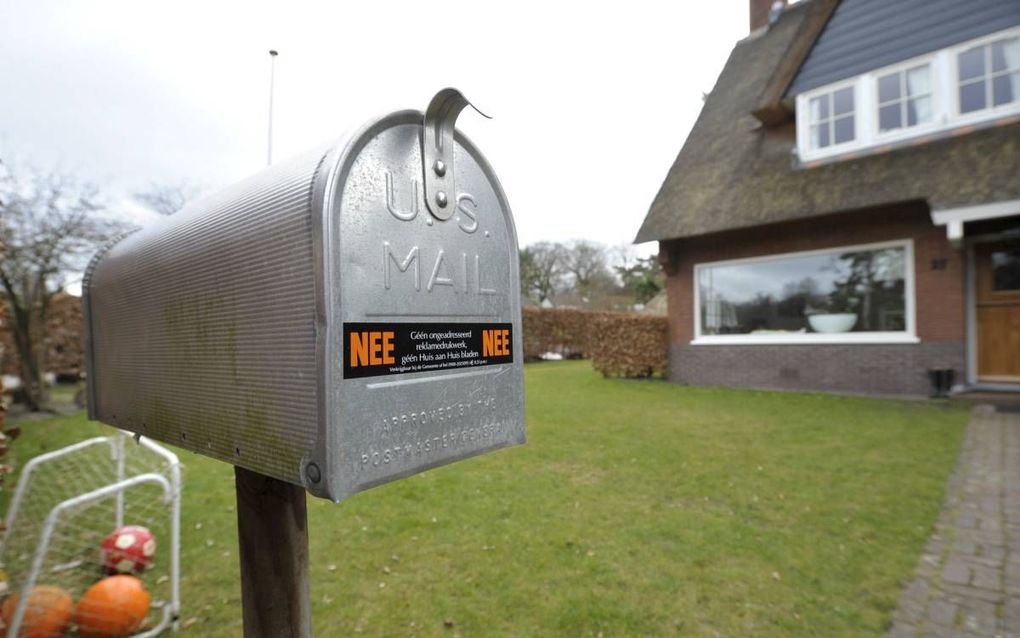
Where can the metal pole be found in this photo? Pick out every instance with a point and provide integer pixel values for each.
(174, 464)
(272, 534)
(272, 69)
(120, 450)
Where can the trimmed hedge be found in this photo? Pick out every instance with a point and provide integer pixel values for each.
(630, 345)
(618, 344)
(560, 330)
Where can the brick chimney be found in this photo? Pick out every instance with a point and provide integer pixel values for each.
(760, 12)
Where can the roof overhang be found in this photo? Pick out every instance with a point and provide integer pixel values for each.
(954, 218)
(772, 107)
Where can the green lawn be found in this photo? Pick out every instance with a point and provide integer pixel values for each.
(636, 508)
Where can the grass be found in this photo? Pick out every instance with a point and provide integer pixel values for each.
(636, 508)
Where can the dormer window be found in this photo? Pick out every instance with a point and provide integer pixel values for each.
(989, 75)
(832, 118)
(904, 98)
(971, 84)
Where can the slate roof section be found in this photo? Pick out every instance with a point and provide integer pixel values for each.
(734, 173)
(864, 35)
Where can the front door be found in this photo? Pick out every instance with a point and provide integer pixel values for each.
(997, 272)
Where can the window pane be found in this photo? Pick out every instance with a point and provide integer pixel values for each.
(889, 117)
(972, 63)
(820, 135)
(1006, 270)
(972, 97)
(843, 130)
(843, 101)
(860, 291)
(918, 111)
(1006, 55)
(1005, 88)
(888, 87)
(819, 108)
(918, 81)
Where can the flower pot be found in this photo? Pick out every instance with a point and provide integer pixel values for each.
(835, 322)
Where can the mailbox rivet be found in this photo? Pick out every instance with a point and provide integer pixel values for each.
(441, 199)
(439, 167)
(313, 473)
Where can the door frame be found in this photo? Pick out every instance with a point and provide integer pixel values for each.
(971, 296)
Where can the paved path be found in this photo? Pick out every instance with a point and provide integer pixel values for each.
(968, 579)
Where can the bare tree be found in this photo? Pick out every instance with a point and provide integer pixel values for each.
(588, 264)
(541, 270)
(50, 223)
(167, 199)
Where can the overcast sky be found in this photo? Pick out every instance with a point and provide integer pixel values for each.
(590, 105)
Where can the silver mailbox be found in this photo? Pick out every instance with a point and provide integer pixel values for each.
(337, 321)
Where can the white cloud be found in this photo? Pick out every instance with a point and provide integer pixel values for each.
(591, 102)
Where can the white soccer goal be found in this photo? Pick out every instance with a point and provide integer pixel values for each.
(69, 500)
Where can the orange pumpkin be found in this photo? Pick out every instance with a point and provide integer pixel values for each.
(112, 608)
(48, 613)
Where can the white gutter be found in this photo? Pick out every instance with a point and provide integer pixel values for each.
(954, 218)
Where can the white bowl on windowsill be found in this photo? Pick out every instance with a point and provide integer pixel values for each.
(831, 323)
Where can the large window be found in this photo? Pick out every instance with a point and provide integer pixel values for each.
(989, 75)
(857, 293)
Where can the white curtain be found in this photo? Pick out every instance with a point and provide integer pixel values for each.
(1011, 50)
(816, 109)
(719, 313)
(919, 90)
(815, 116)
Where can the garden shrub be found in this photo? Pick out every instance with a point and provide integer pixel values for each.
(619, 344)
(629, 345)
(560, 330)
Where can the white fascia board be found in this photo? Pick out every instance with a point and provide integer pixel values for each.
(951, 216)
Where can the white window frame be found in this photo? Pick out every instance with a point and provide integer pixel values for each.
(989, 112)
(936, 93)
(946, 114)
(830, 121)
(909, 335)
(804, 128)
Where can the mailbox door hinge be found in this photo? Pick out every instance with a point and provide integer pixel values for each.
(437, 151)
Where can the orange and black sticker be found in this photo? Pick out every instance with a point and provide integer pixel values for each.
(376, 349)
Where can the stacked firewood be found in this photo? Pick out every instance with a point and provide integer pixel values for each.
(8, 358)
(5, 437)
(65, 347)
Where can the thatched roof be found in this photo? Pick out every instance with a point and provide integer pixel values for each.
(733, 172)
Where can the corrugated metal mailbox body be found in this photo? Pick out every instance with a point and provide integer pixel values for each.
(318, 323)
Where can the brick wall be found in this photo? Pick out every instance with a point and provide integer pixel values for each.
(892, 369)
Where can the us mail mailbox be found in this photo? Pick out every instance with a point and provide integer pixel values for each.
(337, 321)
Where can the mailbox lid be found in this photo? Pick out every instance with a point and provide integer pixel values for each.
(424, 347)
